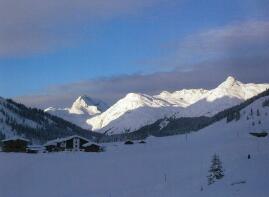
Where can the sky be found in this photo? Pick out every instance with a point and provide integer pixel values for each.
(53, 51)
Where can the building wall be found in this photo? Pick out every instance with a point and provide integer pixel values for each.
(14, 146)
(67, 145)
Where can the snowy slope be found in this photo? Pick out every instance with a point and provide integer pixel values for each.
(163, 167)
(137, 110)
(83, 108)
(7, 116)
(183, 98)
(127, 110)
(34, 124)
(87, 105)
(231, 92)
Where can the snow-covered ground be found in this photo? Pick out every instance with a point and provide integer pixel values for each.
(163, 167)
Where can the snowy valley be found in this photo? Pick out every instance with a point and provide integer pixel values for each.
(163, 167)
(134, 98)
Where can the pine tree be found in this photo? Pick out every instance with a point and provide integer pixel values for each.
(229, 117)
(265, 103)
(216, 171)
(258, 112)
(237, 115)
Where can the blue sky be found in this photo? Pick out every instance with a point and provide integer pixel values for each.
(51, 45)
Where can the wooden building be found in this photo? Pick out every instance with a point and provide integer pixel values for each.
(35, 149)
(129, 142)
(15, 144)
(90, 147)
(71, 143)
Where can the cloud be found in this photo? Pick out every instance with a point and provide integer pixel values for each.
(204, 75)
(33, 26)
(240, 39)
(239, 49)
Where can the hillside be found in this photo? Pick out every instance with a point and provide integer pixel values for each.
(34, 124)
(135, 111)
(82, 109)
(182, 125)
(163, 167)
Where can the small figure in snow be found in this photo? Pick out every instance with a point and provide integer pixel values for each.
(248, 156)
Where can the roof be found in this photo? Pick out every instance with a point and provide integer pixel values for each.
(16, 138)
(90, 144)
(35, 147)
(58, 140)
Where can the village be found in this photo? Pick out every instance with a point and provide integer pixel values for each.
(70, 143)
(74, 143)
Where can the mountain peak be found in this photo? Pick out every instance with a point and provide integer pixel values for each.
(135, 96)
(229, 82)
(231, 79)
(86, 104)
(84, 98)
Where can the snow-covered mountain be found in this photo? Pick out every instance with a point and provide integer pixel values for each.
(229, 93)
(137, 110)
(83, 108)
(170, 166)
(34, 124)
(87, 105)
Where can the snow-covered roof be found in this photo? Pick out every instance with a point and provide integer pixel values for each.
(89, 144)
(58, 140)
(35, 147)
(16, 138)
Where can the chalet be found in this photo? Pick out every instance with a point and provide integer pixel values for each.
(15, 144)
(142, 142)
(90, 147)
(35, 149)
(71, 143)
(128, 142)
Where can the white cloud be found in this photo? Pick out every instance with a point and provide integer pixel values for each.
(237, 39)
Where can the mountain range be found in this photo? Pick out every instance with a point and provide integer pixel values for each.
(136, 116)
(137, 110)
(176, 165)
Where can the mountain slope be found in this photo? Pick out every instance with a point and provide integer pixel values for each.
(137, 110)
(87, 105)
(163, 167)
(121, 115)
(83, 108)
(253, 112)
(34, 124)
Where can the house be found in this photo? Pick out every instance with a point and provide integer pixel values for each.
(142, 142)
(35, 149)
(15, 144)
(90, 147)
(71, 143)
(128, 142)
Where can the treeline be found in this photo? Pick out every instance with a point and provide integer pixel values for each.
(47, 126)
